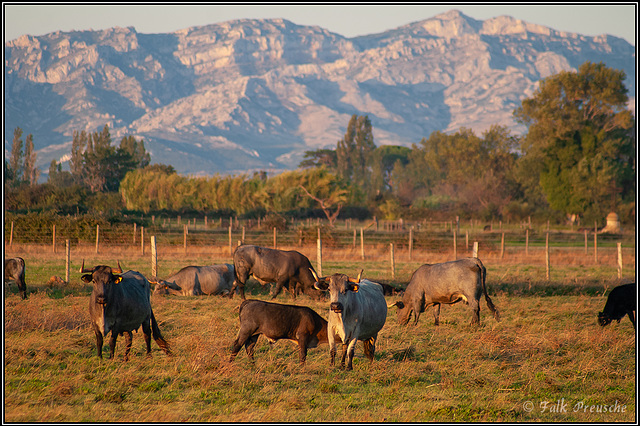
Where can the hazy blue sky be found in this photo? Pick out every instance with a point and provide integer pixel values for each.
(618, 19)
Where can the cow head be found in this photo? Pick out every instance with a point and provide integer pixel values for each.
(163, 287)
(340, 286)
(102, 277)
(404, 312)
(604, 319)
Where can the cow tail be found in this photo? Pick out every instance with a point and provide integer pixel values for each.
(490, 304)
(157, 335)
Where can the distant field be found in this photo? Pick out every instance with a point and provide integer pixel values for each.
(546, 361)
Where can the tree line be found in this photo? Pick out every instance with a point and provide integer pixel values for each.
(577, 158)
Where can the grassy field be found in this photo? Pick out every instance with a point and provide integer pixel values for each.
(546, 361)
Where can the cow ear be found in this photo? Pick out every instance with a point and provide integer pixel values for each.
(354, 288)
(87, 278)
(399, 304)
(117, 280)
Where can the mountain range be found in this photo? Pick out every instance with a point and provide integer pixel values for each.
(249, 95)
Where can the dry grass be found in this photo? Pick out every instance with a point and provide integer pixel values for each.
(547, 348)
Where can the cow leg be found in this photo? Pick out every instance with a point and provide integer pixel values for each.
(475, 309)
(98, 340)
(632, 317)
(436, 313)
(112, 343)
(279, 284)
(250, 345)
(22, 287)
(146, 331)
(128, 339)
(332, 348)
(350, 351)
(345, 348)
(241, 339)
(240, 286)
(370, 347)
(302, 347)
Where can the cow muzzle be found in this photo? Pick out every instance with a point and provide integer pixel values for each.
(336, 307)
(101, 300)
(603, 319)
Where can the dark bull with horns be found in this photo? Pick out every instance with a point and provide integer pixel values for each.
(120, 303)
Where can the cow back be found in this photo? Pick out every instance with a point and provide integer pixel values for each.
(215, 279)
(440, 280)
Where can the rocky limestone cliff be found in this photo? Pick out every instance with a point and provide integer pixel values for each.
(250, 95)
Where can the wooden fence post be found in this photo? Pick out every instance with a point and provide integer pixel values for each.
(54, 238)
(547, 259)
(135, 231)
(526, 244)
(275, 238)
(230, 242)
(97, 237)
(619, 260)
(502, 247)
(362, 243)
(319, 254)
(475, 249)
(410, 243)
(595, 242)
(242, 235)
(455, 243)
(393, 262)
(67, 261)
(154, 257)
(142, 240)
(585, 241)
(185, 231)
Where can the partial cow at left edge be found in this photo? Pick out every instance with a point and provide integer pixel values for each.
(14, 271)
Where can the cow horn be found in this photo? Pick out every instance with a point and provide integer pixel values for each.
(84, 271)
(315, 276)
(117, 270)
(357, 280)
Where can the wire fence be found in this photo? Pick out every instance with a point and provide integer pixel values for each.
(384, 241)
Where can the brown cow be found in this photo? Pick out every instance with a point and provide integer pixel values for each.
(276, 322)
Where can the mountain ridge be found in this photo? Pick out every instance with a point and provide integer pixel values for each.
(248, 95)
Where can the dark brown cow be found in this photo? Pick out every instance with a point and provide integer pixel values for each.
(621, 302)
(285, 268)
(120, 303)
(275, 322)
(14, 271)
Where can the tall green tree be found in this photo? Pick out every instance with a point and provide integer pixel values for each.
(14, 166)
(99, 165)
(353, 151)
(580, 147)
(30, 172)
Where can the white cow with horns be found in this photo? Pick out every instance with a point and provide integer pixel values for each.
(357, 311)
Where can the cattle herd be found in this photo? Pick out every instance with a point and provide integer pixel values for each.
(120, 301)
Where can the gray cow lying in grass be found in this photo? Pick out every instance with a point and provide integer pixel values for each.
(197, 280)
